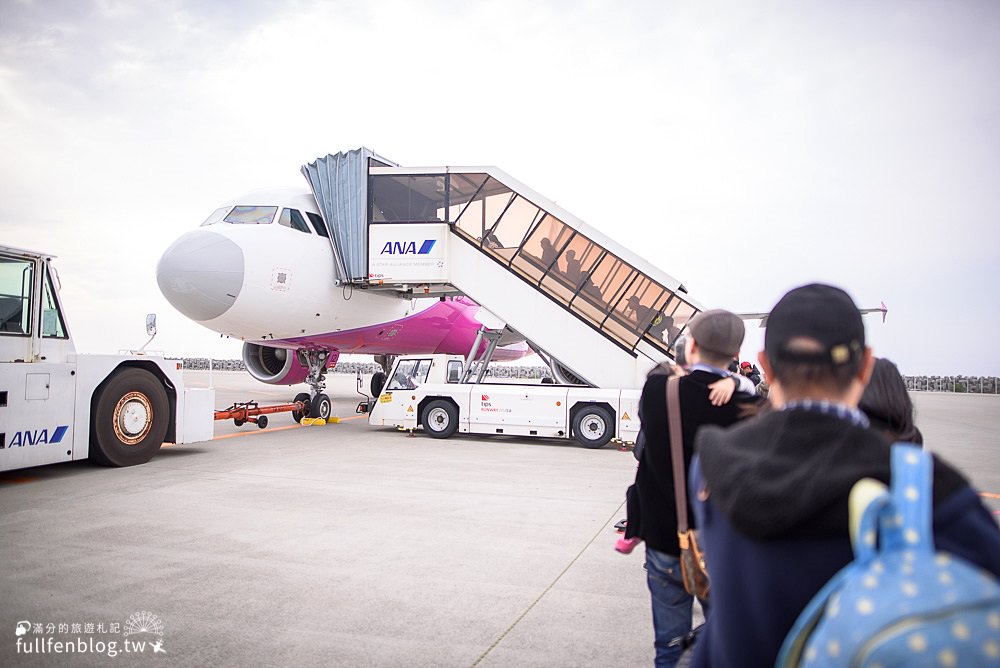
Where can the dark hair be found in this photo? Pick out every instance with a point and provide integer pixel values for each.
(797, 376)
(664, 368)
(888, 405)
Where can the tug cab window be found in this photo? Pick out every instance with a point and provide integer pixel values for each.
(409, 375)
(52, 320)
(293, 219)
(252, 215)
(16, 278)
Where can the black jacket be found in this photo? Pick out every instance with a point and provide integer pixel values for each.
(775, 525)
(654, 481)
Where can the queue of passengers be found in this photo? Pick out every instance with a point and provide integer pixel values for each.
(768, 483)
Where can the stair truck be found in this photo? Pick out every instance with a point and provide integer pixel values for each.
(446, 394)
(57, 405)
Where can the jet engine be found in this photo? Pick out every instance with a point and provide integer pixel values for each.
(275, 366)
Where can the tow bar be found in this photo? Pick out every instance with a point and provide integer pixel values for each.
(250, 411)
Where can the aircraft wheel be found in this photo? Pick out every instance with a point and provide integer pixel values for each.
(304, 398)
(320, 407)
(440, 418)
(378, 382)
(593, 427)
(129, 419)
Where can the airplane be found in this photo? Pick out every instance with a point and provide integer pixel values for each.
(260, 269)
(763, 315)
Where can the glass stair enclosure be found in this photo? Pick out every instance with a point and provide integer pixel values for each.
(602, 284)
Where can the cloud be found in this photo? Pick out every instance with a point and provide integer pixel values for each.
(743, 149)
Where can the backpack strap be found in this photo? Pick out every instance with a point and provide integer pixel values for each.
(869, 498)
(912, 489)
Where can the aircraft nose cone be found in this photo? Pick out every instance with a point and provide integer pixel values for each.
(201, 274)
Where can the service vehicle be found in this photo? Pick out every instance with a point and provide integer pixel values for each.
(57, 405)
(446, 394)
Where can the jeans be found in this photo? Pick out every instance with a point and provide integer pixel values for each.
(671, 604)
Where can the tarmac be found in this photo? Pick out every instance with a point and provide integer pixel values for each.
(351, 545)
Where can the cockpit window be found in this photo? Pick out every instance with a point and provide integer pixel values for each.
(292, 218)
(217, 216)
(318, 223)
(252, 215)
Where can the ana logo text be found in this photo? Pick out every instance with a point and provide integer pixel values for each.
(407, 247)
(36, 437)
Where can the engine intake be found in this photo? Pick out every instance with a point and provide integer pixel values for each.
(275, 366)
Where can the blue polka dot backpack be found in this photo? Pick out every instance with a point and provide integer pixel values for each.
(898, 603)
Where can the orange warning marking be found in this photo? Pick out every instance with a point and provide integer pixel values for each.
(256, 432)
(17, 481)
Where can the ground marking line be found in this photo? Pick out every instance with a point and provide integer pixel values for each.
(552, 584)
(17, 481)
(263, 431)
(989, 495)
(252, 433)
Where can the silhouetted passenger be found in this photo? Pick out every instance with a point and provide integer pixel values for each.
(549, 253)
(574, 271)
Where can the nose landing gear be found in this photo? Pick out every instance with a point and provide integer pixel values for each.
(319, 403)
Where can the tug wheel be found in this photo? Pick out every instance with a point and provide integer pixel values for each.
(593, 427)
(378, 382)
(129, 419)
(440, 418)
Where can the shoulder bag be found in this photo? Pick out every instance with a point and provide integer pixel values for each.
(693, 568)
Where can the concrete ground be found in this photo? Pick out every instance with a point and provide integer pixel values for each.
(351, 545)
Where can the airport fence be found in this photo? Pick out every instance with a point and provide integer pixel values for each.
(959, 384)
(495, 370)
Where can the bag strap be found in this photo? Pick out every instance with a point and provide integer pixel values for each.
(912, 488)
(677, 452)
(869, 505)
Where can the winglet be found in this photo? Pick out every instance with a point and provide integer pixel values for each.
(884, 312)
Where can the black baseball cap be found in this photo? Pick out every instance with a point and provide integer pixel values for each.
(823, 313)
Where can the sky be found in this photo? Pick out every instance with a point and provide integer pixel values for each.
(744, 148)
